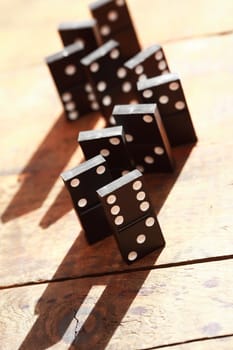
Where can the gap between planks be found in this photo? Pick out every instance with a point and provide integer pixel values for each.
(197, 340)
(107, 273)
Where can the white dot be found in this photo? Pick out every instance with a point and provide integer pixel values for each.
(159, 150)
(66, 96)
(82, 202)
(163, 99)
(112, 15)
(162, 65)
(105, 30)
(88, 88)
(120, 2)
(104, 152)
(140, 195)
(114, 141)
(119, 220)
(91, 97)
(111, 199)
(149, 160)
(141, 239)
(133, 102)
(70, 106)
(150, 221)
(79, 41)
(107, 100)
(132, 256)
(142, 77)
(158, 55)
(139, 69)
(70, 69)
(174, 86)
(129, 137)
(101, 86)
(115, 210)
(179, 105)
(144, 206)
(94, 106)
(121, 73)
(126, 86)
(140, 168)
(147, 118)
(73, 115)
(74, 182)
(94, 67)
(147, 93)
(137, 185)
(100, 170)
(114, 54)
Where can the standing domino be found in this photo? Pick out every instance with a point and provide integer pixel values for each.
(166, 90)
(82, 183)
(130, 213)
(146, 137)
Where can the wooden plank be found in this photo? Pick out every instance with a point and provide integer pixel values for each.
(194, 204)
(34, 24)
(138, 310)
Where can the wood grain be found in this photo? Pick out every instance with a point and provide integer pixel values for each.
(34, 24)
(138, 310)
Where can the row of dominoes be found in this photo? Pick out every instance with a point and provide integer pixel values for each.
(146, 113)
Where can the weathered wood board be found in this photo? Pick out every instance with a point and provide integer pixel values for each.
(137, 310)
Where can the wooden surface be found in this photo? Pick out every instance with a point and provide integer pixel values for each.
(180, 298)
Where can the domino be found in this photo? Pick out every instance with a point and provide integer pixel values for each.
(111, 144)
(115, 22)
(83, 32)
(148, 63)
(146, 137)
(76, 94)
(166, 90)
(114, 87)
(65, 66)
(82, 183)
(131, 216)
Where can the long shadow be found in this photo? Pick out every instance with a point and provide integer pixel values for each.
(62, 315)
(43, 169)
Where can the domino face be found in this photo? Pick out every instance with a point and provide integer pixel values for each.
(82, 183)
(114, 22)
(148, 63)
(130, 213)
(84, 32)
(111, 144)
(65, 66)
(104, 65)
(114, 87)
(79, 100)
(146, 137)
(167, 92)
(111, 15)
(140, 238)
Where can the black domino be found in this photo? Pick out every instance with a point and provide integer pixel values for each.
(82, 183)
(111, 144)
(146, 137)
(131, 215)
(166, 90)
(84, 32)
